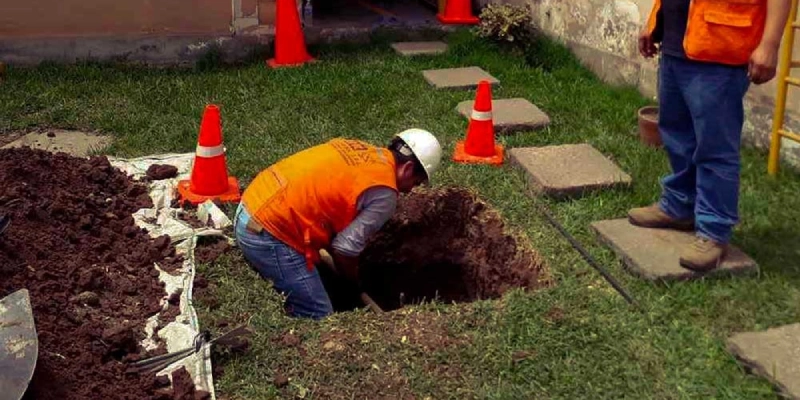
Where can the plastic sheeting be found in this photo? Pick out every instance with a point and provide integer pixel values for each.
(163, 219)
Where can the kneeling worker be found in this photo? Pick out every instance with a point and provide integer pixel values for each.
(332, 196)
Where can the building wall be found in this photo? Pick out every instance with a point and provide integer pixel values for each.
(603, 34)
(64, 18)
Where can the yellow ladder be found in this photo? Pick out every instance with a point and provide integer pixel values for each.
(784, 80)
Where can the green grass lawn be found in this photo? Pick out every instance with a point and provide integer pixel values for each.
(576, 339)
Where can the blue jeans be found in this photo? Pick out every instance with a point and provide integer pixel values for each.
(285, 267)
(700, 117)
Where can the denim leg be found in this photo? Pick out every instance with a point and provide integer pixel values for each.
(286, 268)
(715, 94)
(678, 136)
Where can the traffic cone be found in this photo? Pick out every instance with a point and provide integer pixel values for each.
(458, 12)
(209, 178)
(290, 45)
(479, 146)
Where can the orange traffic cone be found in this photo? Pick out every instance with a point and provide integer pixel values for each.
(209, 178)
(290, 45)
(458, 12)
(479, 146)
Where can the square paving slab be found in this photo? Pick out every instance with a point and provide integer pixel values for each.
(510, 115)
(458, 78)
(568, 170)
(653, 254)
(419, 48)
(773, 354)
(78, 144)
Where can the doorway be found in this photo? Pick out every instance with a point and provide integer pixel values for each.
(369, 13)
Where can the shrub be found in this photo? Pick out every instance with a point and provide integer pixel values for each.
(507, 24)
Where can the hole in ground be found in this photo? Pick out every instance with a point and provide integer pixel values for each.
(442, 244)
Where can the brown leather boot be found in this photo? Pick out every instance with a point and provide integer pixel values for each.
(652, 217)
(703, 255)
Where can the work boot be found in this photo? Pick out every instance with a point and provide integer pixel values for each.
(653, 217)
(703, 255)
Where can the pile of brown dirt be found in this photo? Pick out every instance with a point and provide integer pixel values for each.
(443, 244)
(89, 269)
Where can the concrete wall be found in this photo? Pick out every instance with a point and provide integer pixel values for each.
(603, 34)
(52, 18)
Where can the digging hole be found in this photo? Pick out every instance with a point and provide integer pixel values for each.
(445, 245)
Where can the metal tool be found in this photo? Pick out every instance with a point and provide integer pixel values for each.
(5, 221)
(327, 259)
(19, 345)
(202, 339)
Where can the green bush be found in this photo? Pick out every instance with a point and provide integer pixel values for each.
(508, 24)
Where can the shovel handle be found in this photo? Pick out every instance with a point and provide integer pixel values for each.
(328, 260)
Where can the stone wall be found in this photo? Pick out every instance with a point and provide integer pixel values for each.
(603, 34)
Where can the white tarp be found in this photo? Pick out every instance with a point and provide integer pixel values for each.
(163, 219)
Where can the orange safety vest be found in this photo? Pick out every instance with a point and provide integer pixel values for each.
(305, 199)
(720, 31)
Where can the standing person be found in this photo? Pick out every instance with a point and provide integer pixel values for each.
(711, 50)
(332, 196)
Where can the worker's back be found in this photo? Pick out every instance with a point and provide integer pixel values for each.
(306, 198)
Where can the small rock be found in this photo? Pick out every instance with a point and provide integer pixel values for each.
(87, 298)
(331, 345)
(280, 380)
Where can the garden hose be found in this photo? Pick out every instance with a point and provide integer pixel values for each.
(586, 256)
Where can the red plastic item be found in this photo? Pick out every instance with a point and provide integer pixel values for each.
(479, 146)
(290, 44)
(209, 178)
(458, 12)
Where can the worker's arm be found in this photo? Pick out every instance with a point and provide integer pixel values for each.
(376, 206)
(764, 60)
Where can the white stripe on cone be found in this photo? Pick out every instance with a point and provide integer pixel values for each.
(481, 115)
(210, 151)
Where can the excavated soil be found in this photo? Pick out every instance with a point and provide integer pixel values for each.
(89, 269)
(445, 245)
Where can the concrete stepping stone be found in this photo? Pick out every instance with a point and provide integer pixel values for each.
(568, 170)
(76, 143)
(510, 115)
(410, 49)
(653, 254)
(772, 354)
(458, 78)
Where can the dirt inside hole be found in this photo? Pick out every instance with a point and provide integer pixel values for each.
(442, 244)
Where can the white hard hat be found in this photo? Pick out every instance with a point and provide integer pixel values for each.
(425, 147)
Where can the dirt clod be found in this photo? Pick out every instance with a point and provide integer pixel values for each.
(161, 381)
(74, 245)
(158, 172)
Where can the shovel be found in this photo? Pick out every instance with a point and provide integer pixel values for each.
(19, 346)
(328, 260)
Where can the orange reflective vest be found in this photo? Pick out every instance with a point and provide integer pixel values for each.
(305, 199)
(720, 31)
